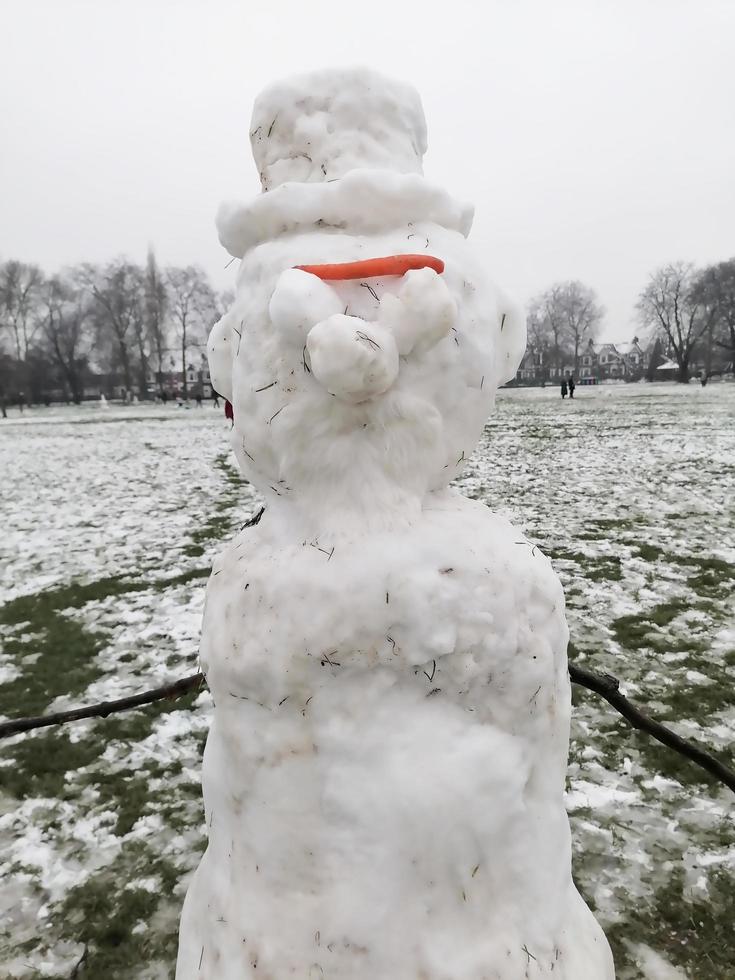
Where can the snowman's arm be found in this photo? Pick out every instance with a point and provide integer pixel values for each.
(299, 301)
(422, 312)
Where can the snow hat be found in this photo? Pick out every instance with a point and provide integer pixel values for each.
(340, 148)
(318, 127)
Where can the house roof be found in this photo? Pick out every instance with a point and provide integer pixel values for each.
(627, 347)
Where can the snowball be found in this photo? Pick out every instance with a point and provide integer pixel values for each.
(354, 360)
(421, 314)
(299, 301)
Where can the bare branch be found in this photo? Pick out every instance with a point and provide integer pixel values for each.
(104, 708)
(607, 686)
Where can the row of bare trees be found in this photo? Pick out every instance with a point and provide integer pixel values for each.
(562, 320)
(692, 311)
(689, 311)
(120, 319)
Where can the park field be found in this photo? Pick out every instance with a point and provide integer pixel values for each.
(110, 521)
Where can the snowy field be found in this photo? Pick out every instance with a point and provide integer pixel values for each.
(110, 520)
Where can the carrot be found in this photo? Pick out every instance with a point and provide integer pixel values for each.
(388, 265)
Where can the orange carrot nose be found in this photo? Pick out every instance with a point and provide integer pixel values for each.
(388, 265)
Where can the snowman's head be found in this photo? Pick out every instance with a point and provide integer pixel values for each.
(368, 380)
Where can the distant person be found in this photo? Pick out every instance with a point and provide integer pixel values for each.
(21, 401)
(164, 397)
(571, 386)
(198, 397)
(215, 399)
(563, 388)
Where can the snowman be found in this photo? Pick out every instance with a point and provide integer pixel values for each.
(383, 779)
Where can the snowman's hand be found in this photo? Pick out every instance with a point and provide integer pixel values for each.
(353, 359)
(299, 301)
(421, 314)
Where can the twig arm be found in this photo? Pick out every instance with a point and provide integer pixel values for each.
(104, 708)
(608, 687)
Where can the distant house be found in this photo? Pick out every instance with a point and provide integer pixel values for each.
(667, 370)
(597, 362)
(606, 362)
(198, 380)
(171, 381)
(532, 369)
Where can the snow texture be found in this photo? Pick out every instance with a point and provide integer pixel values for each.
(384, 774)
(321, 126)
(646, 554)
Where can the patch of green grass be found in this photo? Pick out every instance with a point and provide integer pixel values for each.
(214, 528)
(603, 568)
(37, 606)
(601, 528)
(101, 913)
(219, 524)
(193, 550)
(714, 578)
(700, 700)
(65, 651)
(41, 763)
(639, 629)
(649, 552)
(695, 934)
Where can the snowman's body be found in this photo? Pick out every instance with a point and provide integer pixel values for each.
(384, 776)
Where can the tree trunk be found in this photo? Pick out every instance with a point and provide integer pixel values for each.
(159, 353)
(143, 374)
(185, 384)
(125, 363)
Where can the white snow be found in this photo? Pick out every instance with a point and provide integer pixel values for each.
(321, 126)
(654, 966)
(384, 774)
(526, 465)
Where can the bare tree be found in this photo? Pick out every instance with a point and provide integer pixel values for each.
(580, 314)
(20, 289)
(672, 308)
(118, 293)
(545, 326)
(562, 318)
(714, 288)
(539, 336)
(192, 303)
(156, 308)
(67, 327)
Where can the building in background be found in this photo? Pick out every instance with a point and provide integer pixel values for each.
(597, 362)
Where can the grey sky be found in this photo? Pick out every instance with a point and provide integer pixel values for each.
(596, 139)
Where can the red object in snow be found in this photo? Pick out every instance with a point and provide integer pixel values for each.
(387, 265)
(229, 414)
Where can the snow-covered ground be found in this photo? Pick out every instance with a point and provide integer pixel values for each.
(110, 522)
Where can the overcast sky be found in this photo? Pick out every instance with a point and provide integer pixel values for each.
(596, 139)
